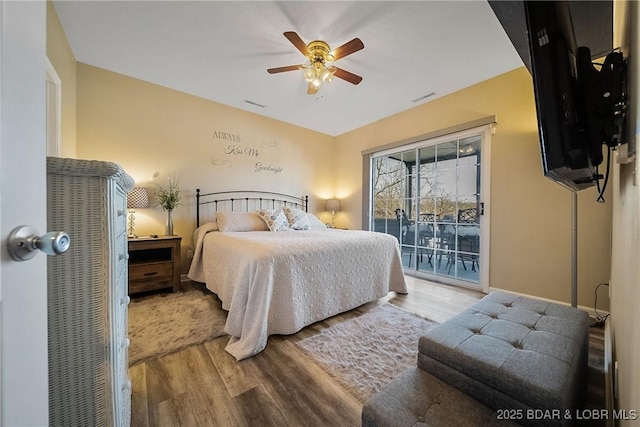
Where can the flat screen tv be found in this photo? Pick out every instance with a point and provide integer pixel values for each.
(567, 156)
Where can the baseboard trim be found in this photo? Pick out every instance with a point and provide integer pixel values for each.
(590, 310)
(610, 371)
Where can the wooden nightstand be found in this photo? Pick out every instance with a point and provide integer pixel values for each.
(154, 263)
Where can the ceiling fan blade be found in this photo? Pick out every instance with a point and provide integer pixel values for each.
(346, 75)
(311, 89)
(347, 49)
(283, 69)
(295, 39)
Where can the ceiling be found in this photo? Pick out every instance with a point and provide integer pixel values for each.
(220, 50)
(592, 24)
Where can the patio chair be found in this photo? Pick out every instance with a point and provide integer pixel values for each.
(468, 246)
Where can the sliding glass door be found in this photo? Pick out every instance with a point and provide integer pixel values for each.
(429, 195)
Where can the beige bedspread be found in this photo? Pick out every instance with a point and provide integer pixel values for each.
(279, 282)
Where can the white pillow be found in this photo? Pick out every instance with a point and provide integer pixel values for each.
(240, 221)
(208, 226)
(298, 219)
(314, 222)
(275, 219)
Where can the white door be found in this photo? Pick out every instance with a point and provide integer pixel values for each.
(23, 285)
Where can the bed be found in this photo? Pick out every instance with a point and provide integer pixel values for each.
(278, 280)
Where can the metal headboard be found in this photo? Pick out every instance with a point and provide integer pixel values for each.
(264, 199)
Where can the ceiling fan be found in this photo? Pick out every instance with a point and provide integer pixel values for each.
(316, 71)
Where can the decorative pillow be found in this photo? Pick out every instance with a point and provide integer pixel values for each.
(274, 219)
(314, 222)
(240, 221)
(298, 219)
(208, 226)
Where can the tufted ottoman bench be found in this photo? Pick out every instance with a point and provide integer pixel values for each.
(505, 360)
(417, 398)
(516, 353)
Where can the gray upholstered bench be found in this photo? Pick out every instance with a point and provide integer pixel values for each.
(514, 352)
(525, 359)
(417, 398)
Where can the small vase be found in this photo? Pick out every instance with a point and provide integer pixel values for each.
(169, 225)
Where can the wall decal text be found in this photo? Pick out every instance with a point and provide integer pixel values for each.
(238, 150)
(226, 136)
(233, 153)
(267, 168)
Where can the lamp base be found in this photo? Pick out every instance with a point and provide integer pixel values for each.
(132, 224)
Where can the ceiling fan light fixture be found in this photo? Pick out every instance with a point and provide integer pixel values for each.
(309, 74)
(319, 54)
(327, 75)
(317, 74)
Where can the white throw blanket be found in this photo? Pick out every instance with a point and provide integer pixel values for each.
(279, 282)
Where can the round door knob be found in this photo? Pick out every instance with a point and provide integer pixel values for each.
(54, 243)
(23, 241)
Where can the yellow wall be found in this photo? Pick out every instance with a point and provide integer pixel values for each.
(530, 214)
(625, 264)
(61, 57)
(147, 128)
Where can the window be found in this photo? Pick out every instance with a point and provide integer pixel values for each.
(429, 196)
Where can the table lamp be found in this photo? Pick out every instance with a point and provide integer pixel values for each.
(333, 205)
(136, 199)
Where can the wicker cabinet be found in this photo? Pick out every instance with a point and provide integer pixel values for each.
(87, 294)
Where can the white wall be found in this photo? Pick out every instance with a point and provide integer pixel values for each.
(625, 264)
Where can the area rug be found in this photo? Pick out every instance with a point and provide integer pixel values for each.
(162, 324)
(366, 352)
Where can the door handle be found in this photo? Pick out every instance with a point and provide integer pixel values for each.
(23, 242)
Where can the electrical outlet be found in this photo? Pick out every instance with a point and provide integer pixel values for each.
(189, 253)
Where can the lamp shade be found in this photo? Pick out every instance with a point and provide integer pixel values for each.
(332, 205)
(138, 198)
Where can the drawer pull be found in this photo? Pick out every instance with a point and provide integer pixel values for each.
(120, 212)
(153, 273)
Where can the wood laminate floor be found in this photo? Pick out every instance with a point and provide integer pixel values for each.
(204, 386)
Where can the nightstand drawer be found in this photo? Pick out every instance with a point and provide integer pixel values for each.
(146, 285)
(153, 270)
